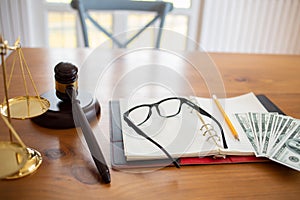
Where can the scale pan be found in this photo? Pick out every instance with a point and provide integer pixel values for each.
(24, 107)
(13, 157)
(33, 161)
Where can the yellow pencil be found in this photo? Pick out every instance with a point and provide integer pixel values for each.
(232, 129)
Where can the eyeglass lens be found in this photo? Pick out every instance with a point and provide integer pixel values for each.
(169, 107)
(139, 115)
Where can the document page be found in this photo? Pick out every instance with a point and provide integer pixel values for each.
(239, 104)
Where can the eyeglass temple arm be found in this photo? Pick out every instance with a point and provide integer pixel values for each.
(140, 132)
(203, 112)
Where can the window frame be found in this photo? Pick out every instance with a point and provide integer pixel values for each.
(118, 25)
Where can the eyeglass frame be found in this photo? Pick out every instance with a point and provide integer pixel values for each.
(182, 101)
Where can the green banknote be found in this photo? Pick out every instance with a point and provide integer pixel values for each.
(288, 151)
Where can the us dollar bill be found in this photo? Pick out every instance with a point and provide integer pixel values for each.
(273, 133)
(285, 130)
(255, 122)
(268, 131)
(288, 151)
(245, 123)
(263, 130)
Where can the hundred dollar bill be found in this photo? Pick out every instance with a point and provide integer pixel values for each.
(288, 151)
(263, 131)
(244, 122)
(254, 123)
(278, 125)
(268, 131)
(277, 119)
(284, 131)
(258, 129)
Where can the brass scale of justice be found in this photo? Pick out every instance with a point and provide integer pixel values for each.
(18, 160)
(47, 110)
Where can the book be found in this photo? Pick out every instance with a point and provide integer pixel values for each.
(181, 136)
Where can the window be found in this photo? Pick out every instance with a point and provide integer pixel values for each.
(61, 24)
(64, 30)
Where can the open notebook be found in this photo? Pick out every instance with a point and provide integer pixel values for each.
(181, 135)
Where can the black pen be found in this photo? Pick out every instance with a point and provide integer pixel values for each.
(79, 118)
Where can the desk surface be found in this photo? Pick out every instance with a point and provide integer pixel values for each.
(67, 171)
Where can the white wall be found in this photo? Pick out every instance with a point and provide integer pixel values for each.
(251, 26)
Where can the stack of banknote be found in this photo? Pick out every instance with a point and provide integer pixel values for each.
(274, 136)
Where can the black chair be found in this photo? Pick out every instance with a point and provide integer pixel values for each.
(84, 6)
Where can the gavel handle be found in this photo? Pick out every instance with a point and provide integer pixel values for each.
(95, 150)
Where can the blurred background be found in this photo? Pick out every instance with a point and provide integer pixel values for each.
(235, 26)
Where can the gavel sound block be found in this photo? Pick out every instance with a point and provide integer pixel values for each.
(60, 115)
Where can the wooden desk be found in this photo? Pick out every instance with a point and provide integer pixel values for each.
(67, 171)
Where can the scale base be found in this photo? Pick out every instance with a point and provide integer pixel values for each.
(60, 116)
(32, 164)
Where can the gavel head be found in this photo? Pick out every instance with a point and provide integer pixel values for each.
(65, 76)
(60, 113)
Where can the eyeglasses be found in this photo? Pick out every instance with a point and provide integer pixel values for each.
(166, 108)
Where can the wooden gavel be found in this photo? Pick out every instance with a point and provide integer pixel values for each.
(66, 90)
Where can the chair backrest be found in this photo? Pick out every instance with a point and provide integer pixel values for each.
(83, 6)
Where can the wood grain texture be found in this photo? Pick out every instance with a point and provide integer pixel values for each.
(68, 172)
